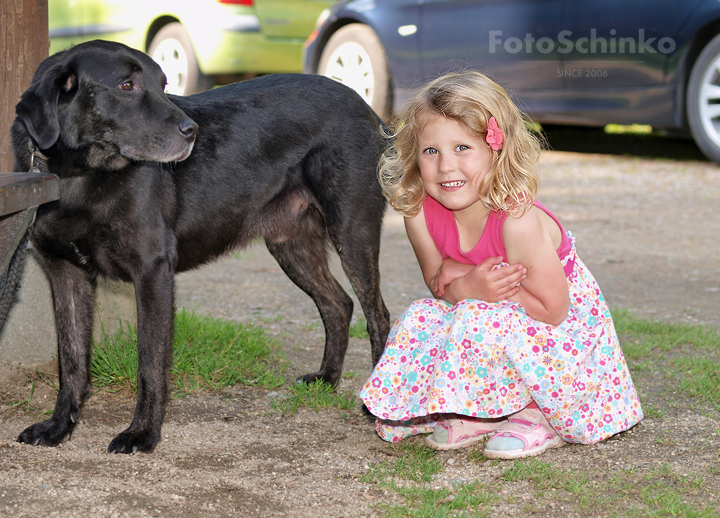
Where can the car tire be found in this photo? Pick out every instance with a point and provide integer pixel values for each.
(703, 100)
(355, 57)
(172, 49)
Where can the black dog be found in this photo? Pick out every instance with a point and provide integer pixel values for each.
(289, 158)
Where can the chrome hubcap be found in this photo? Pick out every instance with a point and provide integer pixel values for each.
(171, 57)
(709, 100)
(351, 66)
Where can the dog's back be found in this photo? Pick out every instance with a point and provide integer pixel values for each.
(274, 166)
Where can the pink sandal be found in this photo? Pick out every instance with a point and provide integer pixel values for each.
(529, 426)
(461, 432)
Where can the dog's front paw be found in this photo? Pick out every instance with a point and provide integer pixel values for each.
(132, 441)
(314, 377)
(47, 433)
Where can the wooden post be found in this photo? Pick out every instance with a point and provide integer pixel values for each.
(23, 45)
(29, 338)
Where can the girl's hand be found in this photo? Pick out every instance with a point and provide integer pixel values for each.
(486, 282)
(448, 272)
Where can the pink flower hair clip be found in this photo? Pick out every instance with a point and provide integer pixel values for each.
(495, 135)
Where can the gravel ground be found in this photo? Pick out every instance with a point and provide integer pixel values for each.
(646, 228)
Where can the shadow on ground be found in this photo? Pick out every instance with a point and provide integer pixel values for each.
(580, 139)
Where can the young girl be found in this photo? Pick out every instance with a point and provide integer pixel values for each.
(518, 342)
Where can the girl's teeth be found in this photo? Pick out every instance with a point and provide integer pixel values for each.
(453, 184)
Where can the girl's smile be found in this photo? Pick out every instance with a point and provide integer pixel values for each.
(453, 163)
(450, 185)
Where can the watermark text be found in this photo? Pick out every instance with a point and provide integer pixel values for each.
(593, 44)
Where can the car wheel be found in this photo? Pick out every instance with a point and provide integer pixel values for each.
(172, 49)
(703, 100)
(355, 57)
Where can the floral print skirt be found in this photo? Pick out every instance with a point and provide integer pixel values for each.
(491, 359)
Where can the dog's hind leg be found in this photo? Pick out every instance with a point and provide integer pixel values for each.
(359, 255)
(356, 238)
(303, 258)
(154, 292)
(73, 296)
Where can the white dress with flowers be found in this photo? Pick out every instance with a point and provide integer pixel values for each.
(491, 359)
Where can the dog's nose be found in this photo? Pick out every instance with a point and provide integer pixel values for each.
(188, 128)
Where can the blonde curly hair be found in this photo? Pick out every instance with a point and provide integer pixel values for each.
(470, 98)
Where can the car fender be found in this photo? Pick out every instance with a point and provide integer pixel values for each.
(701, 25)
(401, 46)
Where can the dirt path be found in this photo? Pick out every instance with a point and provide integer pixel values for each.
(648, 231)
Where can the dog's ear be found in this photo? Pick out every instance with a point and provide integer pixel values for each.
(38, 106)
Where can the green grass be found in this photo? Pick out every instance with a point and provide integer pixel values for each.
(312, 326)
(660, 493)
(653, 411)
(468, 500)
(634, 129)
(642, 336)
(358, 329)
(545, 476)
(416, 462)
(208, 353)
(316, 396)
(690, 354)
(700, 377)
(26, 405)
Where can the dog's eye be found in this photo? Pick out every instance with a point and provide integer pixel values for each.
(127, 85)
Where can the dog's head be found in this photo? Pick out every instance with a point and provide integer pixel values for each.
(109, 99)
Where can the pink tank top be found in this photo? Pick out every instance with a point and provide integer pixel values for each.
(443, 229)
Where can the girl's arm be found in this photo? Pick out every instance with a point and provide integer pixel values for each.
(428, 256)
(438, 273)
(532, 240)
(453, 281)
(448, 272)
(483, 282)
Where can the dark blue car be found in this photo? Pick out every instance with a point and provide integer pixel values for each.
(580, 62)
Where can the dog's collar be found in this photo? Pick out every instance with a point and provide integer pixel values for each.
(36, 158)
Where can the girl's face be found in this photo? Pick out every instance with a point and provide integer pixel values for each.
(453, 163)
